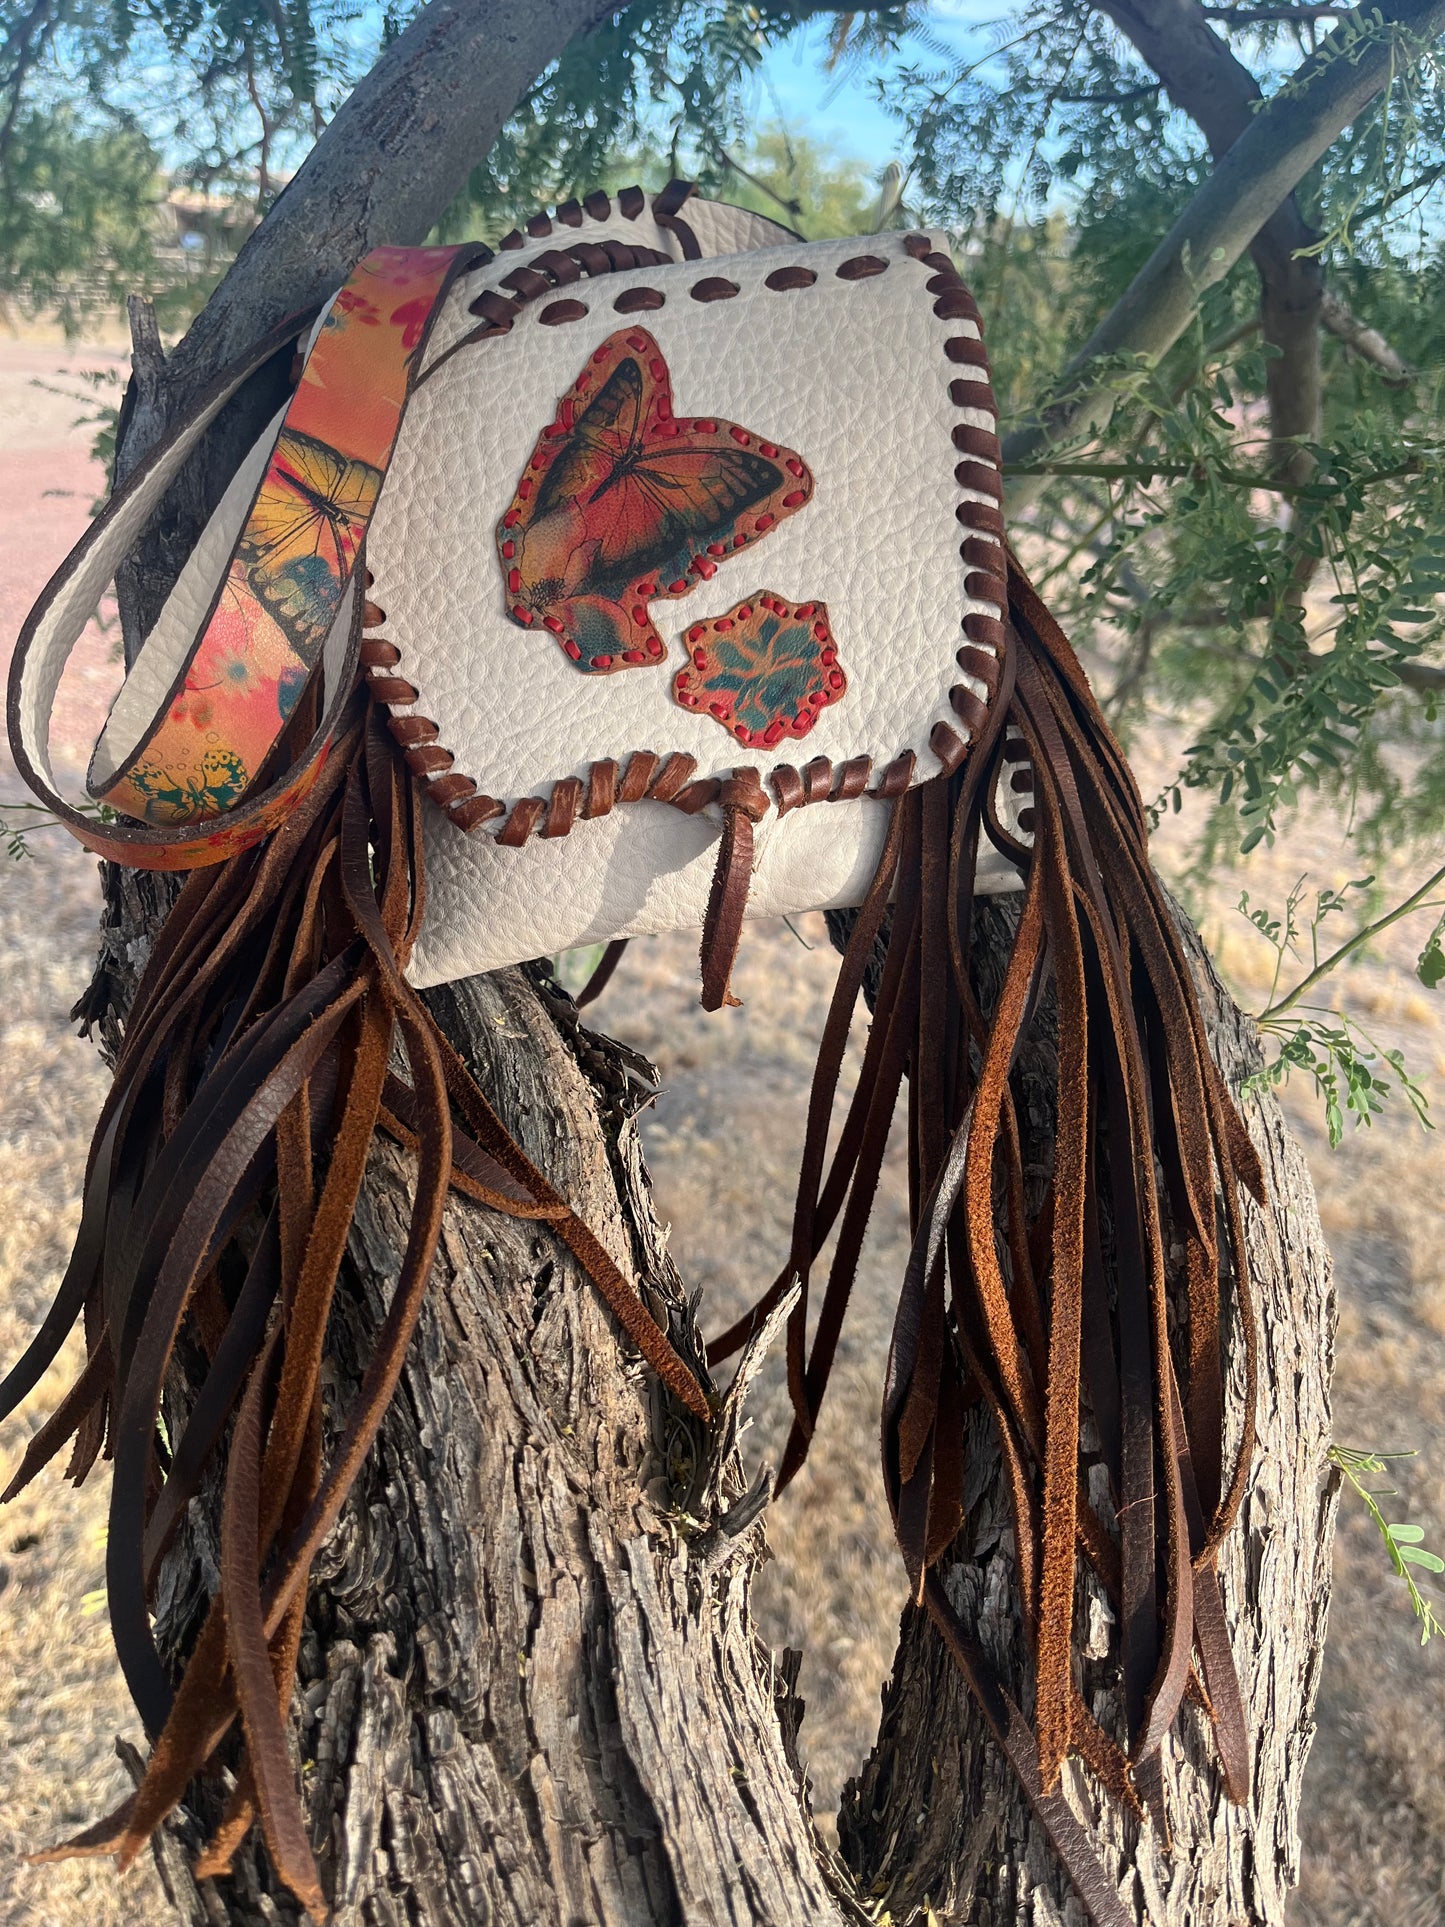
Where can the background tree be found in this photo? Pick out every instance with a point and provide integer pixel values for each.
(598, 1738)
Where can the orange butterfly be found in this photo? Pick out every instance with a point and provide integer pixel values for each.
(303, 534)
(622, 504)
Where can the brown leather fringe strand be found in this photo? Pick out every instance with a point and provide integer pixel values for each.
(233, 1145)
(1019, 1313)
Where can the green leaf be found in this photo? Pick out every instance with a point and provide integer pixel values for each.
(1431, 1561)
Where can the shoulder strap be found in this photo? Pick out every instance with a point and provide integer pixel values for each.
(203, 720)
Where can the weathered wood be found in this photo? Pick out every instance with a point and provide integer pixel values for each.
(936, 1814)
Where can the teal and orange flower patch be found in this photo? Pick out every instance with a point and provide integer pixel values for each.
(764, 670)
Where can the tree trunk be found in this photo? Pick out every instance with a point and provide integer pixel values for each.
(530, 1688)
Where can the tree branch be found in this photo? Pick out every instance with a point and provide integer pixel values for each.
(1282, 142)
(387, 166)
(1251, 16)
(1207, 81)
(1367, 342)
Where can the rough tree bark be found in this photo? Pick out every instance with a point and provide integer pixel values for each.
(531, 1689)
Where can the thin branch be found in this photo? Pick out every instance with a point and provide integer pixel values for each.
(721, 154)
(1414, 901)
(1427, 177)
(1367, 342)
(1147, 472)
(1265, 165)
(1110, 100)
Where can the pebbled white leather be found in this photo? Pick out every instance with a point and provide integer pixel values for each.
(719, 228)
(643, 869)
(853, 375)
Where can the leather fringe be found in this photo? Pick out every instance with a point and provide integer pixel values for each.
(221, 1185)
(1053, 1309)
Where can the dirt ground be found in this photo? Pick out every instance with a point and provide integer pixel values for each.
(722, 1143)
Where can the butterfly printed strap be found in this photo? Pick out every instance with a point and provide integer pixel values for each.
(191, 784)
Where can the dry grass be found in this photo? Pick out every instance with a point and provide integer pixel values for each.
(723, 1143)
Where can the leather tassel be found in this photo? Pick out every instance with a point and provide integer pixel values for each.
(744, 802)
(1040, 1340)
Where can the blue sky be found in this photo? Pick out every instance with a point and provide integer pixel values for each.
(842, 110)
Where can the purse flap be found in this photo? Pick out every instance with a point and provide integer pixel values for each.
(648, 525)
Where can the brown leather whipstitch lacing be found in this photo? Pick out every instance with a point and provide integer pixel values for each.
(221, 1185)
(1049, 1316)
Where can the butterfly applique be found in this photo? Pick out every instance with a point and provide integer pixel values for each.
(302, 537)
(623, 503)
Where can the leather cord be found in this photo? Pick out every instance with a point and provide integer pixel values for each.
(744, 802)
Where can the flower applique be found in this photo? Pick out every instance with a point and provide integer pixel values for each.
(764, 670)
